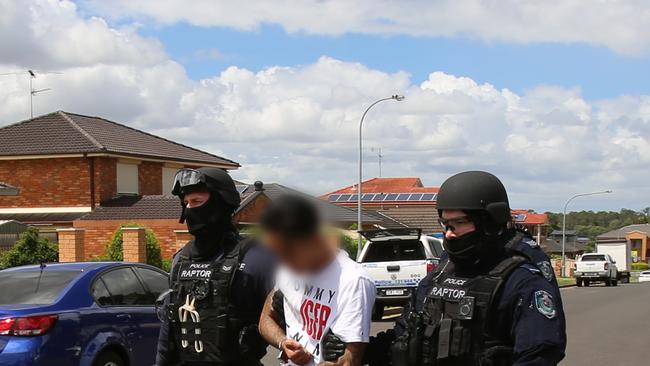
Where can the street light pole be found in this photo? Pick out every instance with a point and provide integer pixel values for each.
(398, 98)
(563, 269)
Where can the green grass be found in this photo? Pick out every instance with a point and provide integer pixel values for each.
(563, 281)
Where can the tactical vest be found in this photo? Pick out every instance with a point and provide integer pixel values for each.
(206, 325)
(456, 325)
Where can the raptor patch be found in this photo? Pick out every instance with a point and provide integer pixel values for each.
(546, 269)
(544, 304)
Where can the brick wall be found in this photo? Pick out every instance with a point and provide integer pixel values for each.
(46, 182)
(105, 179)
(98, 233)
(253, 210)
(150, 178)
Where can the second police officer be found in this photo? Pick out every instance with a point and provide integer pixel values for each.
(494, 301)
(218, 281)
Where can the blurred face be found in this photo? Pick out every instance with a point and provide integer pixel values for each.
(196, 199)
(300, 255)
(456, 223)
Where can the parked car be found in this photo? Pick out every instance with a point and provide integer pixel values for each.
(596, 267)
(80, 314)
(644, 276)
(397, 259)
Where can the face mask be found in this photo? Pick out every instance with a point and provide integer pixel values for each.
(464, 249)
(207, 223)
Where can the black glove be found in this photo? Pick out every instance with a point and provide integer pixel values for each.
(333, 347)
(278, 307)
(378, 350)
(251, 344)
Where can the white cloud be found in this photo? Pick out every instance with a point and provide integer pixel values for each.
(618, 24)
(50, 33)
(298, 125)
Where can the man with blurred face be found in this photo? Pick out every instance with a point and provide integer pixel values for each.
(318, 288)
(219, 281)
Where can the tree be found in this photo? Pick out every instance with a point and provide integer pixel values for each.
(29, 249)
(114, 249)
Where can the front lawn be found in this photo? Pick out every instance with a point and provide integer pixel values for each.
(565, 281)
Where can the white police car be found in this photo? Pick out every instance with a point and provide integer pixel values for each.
(397, 259)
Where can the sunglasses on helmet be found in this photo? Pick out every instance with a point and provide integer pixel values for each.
(185, 178)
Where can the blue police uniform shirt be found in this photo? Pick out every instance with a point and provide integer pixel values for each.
(250, 287)
(530, 304)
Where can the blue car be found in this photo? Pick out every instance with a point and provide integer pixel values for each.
(81, 314)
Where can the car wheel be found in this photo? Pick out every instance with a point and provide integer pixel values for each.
(614, 282)
(586, 283)
(377, 312)
(608, 282)
(579, 283)
(109, 358)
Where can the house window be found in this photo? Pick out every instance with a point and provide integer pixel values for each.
(127, 178)
(168, 174)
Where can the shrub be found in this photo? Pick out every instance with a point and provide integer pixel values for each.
(29, 249)
(349, 245)
(114, 250)
(640, 266)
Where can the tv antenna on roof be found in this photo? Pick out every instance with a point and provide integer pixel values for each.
(380, 156)
(32, 75)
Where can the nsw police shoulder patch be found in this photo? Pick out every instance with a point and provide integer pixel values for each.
(547, 271)
(544, 304)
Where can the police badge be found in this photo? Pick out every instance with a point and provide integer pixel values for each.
(547, 271)
(544, 304)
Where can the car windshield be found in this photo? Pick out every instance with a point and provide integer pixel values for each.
(33, 287)
(394, 250)
(593, 258)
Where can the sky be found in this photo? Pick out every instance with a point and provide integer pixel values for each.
(553, 97)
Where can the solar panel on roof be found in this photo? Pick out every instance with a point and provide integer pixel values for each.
(415, 197)
(241, 188)
(391, 197)
(333, 197)
(354, 197)
(343, 198)
(367, 197)
(379, 197)
(403, 197)
(428, 197)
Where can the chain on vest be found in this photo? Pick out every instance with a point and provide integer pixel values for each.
(204, 322)
(456, 326)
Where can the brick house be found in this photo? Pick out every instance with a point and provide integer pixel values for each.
(59, 167)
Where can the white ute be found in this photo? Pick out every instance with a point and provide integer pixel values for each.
(397, 259)
(596, 267)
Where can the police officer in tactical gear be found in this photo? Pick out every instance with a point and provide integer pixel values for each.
(218, 281)
(493, 300)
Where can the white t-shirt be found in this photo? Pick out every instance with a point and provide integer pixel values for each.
(339, 298)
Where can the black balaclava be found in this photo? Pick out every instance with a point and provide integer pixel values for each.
(210, 224)
(479, 250)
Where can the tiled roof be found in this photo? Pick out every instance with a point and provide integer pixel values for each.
(551, 245)
(137, 208)
(43, 217)
(526, 218)
(68, 133)
(387, 185)
(620, 233)
(168, 207)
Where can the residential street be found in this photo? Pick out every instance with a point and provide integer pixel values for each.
(605, 325)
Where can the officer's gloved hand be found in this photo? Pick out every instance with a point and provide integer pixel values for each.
(378, 350)
(251, 344)
(333, 347)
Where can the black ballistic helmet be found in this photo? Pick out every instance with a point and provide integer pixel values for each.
(475, 191)
(215, 180)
